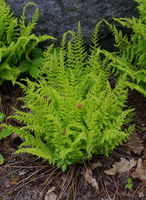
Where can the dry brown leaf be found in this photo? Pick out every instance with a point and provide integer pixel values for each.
(50, 195)
(134, 144)
(96, 165)
(140, 171)
(120, 167)
(89, 178)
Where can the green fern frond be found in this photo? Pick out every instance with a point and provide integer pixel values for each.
(25, 30)
(142, 9)
(131, 56)
(76, 55)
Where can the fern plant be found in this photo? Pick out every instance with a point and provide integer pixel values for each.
(19, 50)
(3, 133)
(131, 55)
(71, 112)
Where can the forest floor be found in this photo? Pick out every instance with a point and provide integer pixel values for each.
(26, 177)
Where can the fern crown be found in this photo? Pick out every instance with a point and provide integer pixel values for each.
(72, 111)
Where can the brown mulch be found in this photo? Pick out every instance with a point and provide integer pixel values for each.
(26, 177)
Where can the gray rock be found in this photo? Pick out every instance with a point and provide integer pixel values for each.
(58, 16)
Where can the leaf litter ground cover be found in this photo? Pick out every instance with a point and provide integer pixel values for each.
(118, 177)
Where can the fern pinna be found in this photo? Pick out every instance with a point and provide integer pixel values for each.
(131, 55)
(73, 113)
(18, 45)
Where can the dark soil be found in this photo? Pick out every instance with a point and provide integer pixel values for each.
(25, 177)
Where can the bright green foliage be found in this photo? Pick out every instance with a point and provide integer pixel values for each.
(3, 133)
(1, 159)
(129, 184)
(131, 57)
(18, 46)
(72, 111)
